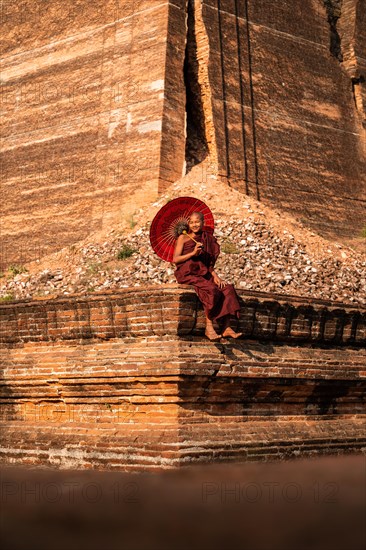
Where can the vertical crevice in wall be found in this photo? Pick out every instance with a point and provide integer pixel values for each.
(347, 27)
(223, 87)
(252, 103)
(357, 96)
(196, 142)
(334, 10)
(242, 95)
(200, 133)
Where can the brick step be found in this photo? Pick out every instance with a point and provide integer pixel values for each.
(90, 446)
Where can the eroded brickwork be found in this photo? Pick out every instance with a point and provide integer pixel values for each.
(83, 99)
(289, 117)
(125, 380)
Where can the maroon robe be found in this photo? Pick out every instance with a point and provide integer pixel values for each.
(196, 271)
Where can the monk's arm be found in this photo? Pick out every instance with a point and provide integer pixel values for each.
(217, 280)
(178, 257)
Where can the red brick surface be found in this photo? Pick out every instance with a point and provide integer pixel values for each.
(125, 380)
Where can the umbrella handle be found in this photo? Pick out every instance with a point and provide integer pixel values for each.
(185, 233)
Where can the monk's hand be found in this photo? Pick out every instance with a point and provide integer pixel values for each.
(197, 249)
(219, 282)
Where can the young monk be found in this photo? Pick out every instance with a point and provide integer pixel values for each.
(195, 266)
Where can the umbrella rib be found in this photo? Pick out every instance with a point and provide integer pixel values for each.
(193, 206)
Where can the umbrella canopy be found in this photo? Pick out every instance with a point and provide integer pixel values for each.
(163, 230)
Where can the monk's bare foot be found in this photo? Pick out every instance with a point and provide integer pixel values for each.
(212, 334)
(230, 333)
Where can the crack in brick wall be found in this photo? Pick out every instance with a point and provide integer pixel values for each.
(351, 62)
(201, 139)
(196, 144)
(334, 12)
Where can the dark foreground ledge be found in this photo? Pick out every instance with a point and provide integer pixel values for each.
(173, 310)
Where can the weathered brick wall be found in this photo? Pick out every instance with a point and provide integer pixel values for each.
(125, 380)
(169, 311)
(284, 118)
(353, 39)
(82, 99)
(289, 120)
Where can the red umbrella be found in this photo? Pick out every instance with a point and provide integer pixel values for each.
(163, 230)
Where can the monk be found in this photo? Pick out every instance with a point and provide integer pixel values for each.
(195, 266)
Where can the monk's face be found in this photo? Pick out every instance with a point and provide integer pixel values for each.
(195, 223)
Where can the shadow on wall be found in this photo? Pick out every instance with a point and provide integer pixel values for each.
(208, 397)
(274, 320)
(11, 407)
(253, 377)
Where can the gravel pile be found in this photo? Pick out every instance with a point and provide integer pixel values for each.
(254, 255)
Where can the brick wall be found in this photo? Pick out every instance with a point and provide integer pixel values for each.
(289, 121)
(284, 117)
(125, 380)
(82, 98)
(170, 311)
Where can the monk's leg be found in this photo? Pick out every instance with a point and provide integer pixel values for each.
(218, 304)
(210, 331)
(210, 297)
(227, 331)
